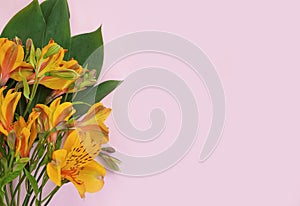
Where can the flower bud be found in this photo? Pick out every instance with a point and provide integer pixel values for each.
(11, 140)
(29, 44)
(18, 41)
(63, 74)
(54, 49)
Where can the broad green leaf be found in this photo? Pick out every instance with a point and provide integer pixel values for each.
(84, 45)
(97, 93)
(105, 88)
(94, 94)
(57, 16)
(33, 182)
(28, 23)
(47, 7)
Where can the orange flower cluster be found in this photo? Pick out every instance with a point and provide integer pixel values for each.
(82, 137)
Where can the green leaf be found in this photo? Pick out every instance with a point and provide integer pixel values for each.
(105, 88)
(95, 94)
(28, 23)
(32, 56)
(33, 183)
(9, 177)
(57, 17)
(19, 167)
(20, 164)
(47, 7)
(84, 45)
(26, 92)
(23, 160)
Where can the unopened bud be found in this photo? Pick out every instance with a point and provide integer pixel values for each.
(11, 140)
(38, 53)
(108, 149)
(18, 41)
(54, 49)
(29, 44)
(63, 74)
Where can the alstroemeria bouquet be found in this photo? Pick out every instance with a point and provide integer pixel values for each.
(51, 119)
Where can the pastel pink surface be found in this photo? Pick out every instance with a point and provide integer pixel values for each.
(254, 46)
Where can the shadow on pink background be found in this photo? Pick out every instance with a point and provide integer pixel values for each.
(254, 46)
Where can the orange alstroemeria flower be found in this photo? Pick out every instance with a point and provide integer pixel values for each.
(52, 117)
(61, 77)
(11, 58)
(75, 162)
(26, 134)
(53, 71)
(8, 104)
(92, 124)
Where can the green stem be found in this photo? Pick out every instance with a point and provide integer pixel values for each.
(50, 196)
(37, 149)
(2, 198)
(18, 189)
(39, 166)
(41, 174)
(33, 92)
(11, 189)
(40, 144)
(6, 196)
(66, 96)
(11, 159)
(45, 180)
(30, 191)
(19, 195)
(28, 195)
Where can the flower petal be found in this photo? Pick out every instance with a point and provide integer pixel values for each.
(62, 113)
(25, 69)
(53, 172)
(11, 57)
(96, 114)
(10, 102)
(56, 83)
(59, 156)
(92, 178)
(54, 167)
(72, 141)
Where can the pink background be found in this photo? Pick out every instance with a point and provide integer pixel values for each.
(255, 48)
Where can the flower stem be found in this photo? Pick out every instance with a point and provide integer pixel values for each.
(6, 196)
(33, 92)
(45, 180)
(18, 188)
(19, 195)
(11, 189)
(50, 196)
